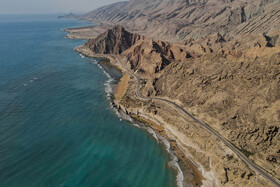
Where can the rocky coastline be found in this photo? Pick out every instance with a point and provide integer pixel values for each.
(187, 172)
(217, 164)
(213, 70)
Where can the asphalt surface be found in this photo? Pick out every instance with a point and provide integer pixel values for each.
(245, 159)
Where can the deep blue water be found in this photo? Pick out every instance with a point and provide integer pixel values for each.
(56, 127)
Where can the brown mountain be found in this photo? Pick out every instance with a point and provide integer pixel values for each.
(219, 59)
(232, 86)
(174, 20)
(113, 41)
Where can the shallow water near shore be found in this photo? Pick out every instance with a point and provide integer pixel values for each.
(56, 126)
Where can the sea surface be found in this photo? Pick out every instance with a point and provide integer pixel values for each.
(56, 126)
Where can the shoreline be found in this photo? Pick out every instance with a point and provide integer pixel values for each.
(220, 163)
(186, 171)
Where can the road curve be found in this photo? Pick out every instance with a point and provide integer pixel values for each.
(245, 159)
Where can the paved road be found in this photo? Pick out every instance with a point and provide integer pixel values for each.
(251, 164)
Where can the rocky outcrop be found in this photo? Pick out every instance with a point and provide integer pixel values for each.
(113, 41)
(144, 54)
(271, 41)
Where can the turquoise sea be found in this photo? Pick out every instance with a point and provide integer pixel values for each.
(56, 126)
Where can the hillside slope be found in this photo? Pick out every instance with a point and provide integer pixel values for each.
(219, 59)
(176, 20)
(233, 87)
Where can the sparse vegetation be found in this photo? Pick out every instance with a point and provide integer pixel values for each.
(229, 157)
(141, 120)
(244, 151)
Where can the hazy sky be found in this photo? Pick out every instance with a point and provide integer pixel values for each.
(50, 6)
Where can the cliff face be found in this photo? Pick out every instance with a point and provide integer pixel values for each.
(176, 20)
(144, 54)
(234, 86)
(113, 41)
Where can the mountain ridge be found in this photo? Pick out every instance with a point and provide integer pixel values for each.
(176, 20)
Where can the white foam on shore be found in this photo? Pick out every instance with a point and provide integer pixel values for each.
(136, 125)
(107, 84)
(94, 61)
(174, 161)
(152, 132)
(122, 115)
(159, 138)
(82, 56)
(109, 94)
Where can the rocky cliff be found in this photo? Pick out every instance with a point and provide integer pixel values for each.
(113, 41)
